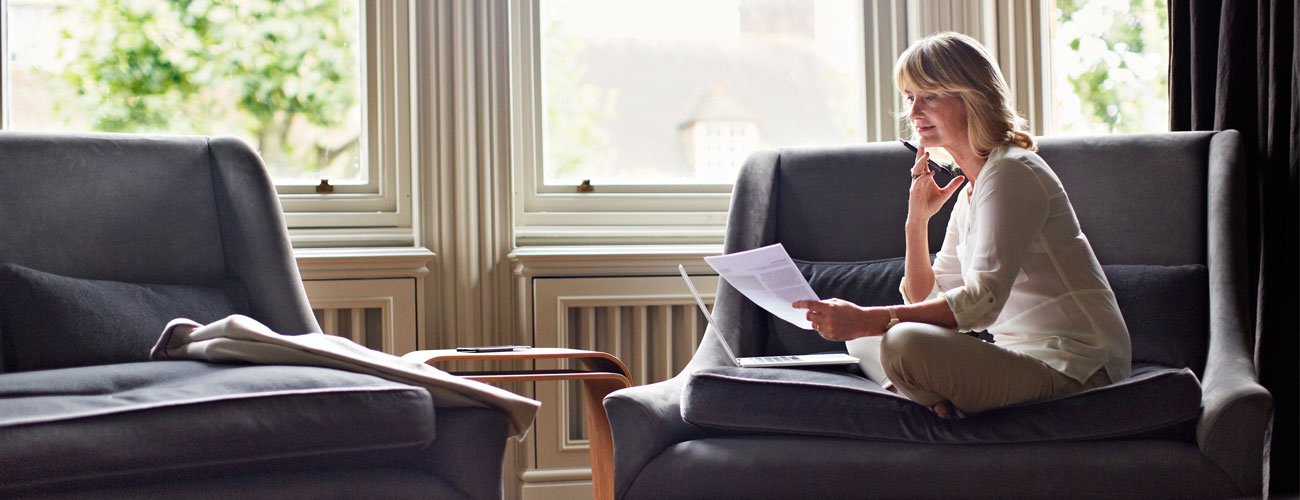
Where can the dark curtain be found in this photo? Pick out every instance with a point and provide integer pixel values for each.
(1233, 65)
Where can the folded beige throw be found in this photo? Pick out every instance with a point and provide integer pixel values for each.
(242, 339)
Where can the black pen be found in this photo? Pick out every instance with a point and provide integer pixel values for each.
(493, 348)
(951, 170)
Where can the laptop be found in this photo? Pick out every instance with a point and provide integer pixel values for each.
(766, 361)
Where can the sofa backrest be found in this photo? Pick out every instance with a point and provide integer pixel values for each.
(1141, 200)
(846, 203)
(110, 207)
(147, 209)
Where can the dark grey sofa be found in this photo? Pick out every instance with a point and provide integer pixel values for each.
(106, 237)
(1165, 215)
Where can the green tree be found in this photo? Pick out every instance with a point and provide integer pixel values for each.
(182, 65)
(577, 144)
(1114, 57)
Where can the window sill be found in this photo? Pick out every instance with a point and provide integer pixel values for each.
(538, 236)
(612, 260)
(303, 238)
(363, 262)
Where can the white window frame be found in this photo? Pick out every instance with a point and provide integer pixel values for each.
(611, 213)
(683, 213)
(380, 212)
(1013, 29)
(388, 151)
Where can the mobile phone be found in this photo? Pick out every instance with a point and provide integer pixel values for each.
(935, 166)
(493, 348)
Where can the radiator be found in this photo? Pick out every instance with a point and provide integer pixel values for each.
(377, 313)
(363, 325)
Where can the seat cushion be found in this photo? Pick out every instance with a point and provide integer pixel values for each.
(49, 321)
(1155, 402)
(140, 418)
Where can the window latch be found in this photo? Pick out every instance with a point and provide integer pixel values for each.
(324, 186)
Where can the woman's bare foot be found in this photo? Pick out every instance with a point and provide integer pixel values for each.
(945, 410)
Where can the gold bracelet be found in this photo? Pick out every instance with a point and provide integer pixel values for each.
(893, 317)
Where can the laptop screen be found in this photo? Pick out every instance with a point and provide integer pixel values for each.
(707, 317)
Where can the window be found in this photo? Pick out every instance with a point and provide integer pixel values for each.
(309, 84)
(658, 110)
(715, 148)
(1111, 66)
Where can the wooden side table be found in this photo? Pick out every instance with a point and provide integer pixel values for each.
(601, 374)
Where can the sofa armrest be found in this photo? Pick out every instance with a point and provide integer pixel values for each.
(1236, 409)
(1235, 416)
(467, 451)
(750, 219)
(254, 238)
(643, 421)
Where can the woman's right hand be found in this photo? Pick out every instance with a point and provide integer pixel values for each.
(926, 197)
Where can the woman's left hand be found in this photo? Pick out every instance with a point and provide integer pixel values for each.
(837, 319)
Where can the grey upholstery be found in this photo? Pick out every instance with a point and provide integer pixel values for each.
(107, 321)
(148, 209)
(134, 415)
(829, 402)
(1174, 199)
(162, 226)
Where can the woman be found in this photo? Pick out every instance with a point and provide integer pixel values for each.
(1013, 261)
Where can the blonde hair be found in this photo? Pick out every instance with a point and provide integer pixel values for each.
(956, 64)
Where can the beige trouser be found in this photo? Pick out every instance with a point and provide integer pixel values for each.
(931, 364)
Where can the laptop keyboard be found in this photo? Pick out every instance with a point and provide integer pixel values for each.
(774, 359)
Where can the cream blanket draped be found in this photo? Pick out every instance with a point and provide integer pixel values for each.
(242, 339)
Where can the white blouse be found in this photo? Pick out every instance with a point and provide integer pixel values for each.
(1015, 262)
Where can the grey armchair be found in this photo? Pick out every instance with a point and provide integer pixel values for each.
(1165, 215)
(106, 237)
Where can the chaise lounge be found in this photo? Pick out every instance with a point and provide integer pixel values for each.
(104, 238)
(1165, 214)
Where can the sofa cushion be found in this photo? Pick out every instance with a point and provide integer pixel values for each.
(1166, 309)
(140, 418)
(870, 283)
(49, 321)
(1156, 402)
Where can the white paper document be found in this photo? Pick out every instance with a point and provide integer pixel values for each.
(768, 277)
